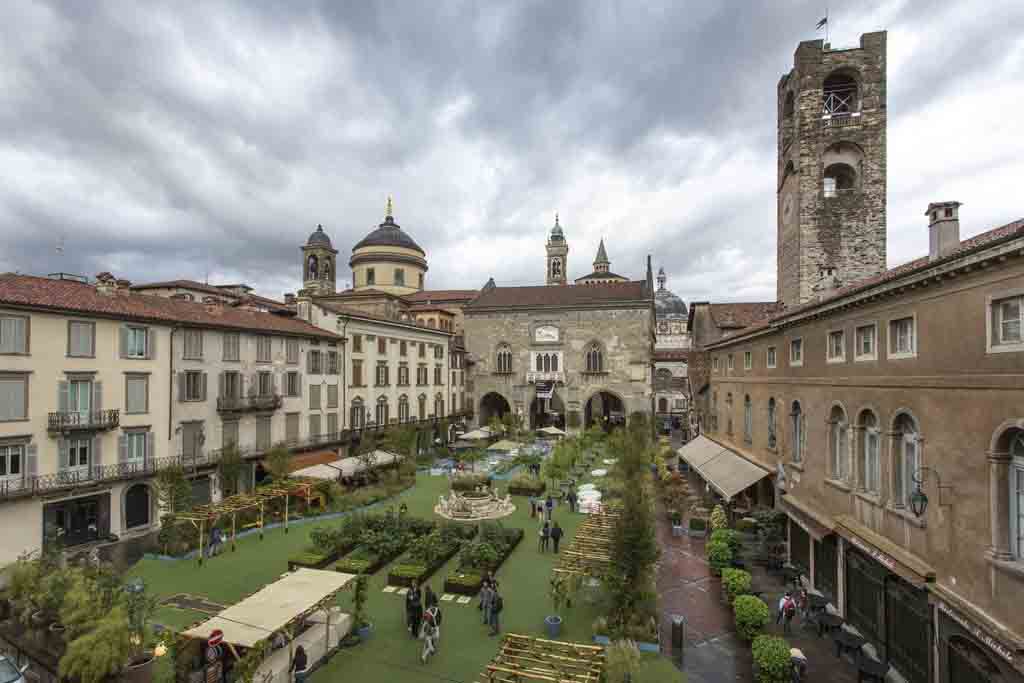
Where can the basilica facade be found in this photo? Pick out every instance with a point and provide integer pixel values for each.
(559, 354)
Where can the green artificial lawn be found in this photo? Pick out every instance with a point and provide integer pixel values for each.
(391, 654)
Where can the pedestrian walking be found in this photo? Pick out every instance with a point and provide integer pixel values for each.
(549, 505)
(486, 597)
(429, 598)
(533, 506)
(782, 607)
(541, 540)
(299, 664)
(556, 536)
(497, 604)
(572, 500)
(414, 609)
(545, 536)
(430, 632)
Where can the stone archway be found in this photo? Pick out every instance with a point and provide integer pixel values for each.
(606, 409)
(547, 412)
(493, 405)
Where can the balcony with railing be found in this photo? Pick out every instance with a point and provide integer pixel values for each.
(248, 404)
(87, 421)
(545, 376)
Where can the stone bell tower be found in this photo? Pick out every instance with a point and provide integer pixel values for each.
(558, 255)
(319, 273)
(831, 168)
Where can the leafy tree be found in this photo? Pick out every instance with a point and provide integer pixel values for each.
(279, 463)
(101, 651)
(173, 490)
(229, 469)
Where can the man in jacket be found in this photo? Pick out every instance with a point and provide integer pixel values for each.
(556, 536)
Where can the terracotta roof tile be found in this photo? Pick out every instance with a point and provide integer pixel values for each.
(359, 313)
(77, 297)
(560, 295)
(739, 315)
(438, 295)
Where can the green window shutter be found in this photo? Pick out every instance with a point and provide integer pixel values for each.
(63, 400)
(150, 446)
(151, 335)
(62, 454)
(181, 387)
(202, 388)
(31, 460)
(122, 448)
(124, 341)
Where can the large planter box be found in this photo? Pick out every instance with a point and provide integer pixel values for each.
(378, 562)
(643, 647)
(313, 560)
(406, 581)
(522, 491)
(473, 586)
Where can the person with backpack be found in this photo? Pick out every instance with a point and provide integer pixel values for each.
(497, 604)
(556, 536)
(430, 632)
(788, 612)
(782, 607)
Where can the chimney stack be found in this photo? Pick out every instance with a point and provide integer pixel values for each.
(943, 229)
(289, 299)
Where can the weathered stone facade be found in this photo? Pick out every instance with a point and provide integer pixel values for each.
(623, 332)
(831, 168)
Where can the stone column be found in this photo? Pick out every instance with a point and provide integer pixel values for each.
(999, 503)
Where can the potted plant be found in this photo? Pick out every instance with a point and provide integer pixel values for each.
(140, 607)
(559, 594)
(101, 651)
(751, 616)
(622, 659)
(771, 660)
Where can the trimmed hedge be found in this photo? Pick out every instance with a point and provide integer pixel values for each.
(771, 659)
(404, 574)
(719, 556)
(469, 581)
(735, 582)
(751, 615)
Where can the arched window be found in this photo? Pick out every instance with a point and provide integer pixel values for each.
(1017, 494)
(748, 420)
(906, 448)
(839, 444)
(540, 363)
(594, 358)
(771, 423)
(311, 268)
(357, 416)
(839, 178)
(504, 359)
(839, 95)
(870, 449)
(547, 363)
(797, 419)
(554, 362)
(382, 410)
(403, 408)
(556, 268)
(842, 165)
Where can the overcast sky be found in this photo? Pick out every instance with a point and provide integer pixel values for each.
(207, 140)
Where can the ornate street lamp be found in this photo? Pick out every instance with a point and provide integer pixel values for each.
(919, 499)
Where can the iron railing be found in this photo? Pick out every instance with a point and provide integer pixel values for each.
(243, 404)
(33, 485)
(548, 376)
(94, 420)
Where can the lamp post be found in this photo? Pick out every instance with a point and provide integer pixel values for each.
(919, 499)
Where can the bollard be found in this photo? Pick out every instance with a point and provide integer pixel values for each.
(678, 628)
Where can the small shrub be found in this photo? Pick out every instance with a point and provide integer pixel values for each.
(622, 659)
(736, 582)
(751, 615)
(469, 482)
(719, 520)
(719, 556)
(772, 659)
(727, 536)
(600, 626)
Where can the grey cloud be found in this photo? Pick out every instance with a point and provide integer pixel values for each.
(172, 142)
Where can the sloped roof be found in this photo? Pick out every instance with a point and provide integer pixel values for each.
(596, 275)
(389, 234)
(560, 295)
(439, 295)
(739, 315)
(215, 290)
(79, 297)
(602, 255)
(354, 312)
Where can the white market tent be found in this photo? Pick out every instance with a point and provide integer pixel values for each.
(504, 445)
(273, 607)
(725, 470)
(344, 466)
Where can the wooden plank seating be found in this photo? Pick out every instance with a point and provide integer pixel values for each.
(522, 658)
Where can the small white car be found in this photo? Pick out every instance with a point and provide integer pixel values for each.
(10, 673)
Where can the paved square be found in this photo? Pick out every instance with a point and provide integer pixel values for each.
(402, 591)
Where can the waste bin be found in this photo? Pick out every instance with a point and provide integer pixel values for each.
(678, 624)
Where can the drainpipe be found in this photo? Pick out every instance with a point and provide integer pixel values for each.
(343, 371)
(170, 402)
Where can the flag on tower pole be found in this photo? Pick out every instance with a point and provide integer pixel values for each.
(822, 23)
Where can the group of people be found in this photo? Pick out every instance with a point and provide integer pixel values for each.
(423, 618)
(789, 605)
(491, 604)
(549, 534)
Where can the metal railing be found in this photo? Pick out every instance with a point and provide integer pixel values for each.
(33, 485)
(241, 404)
(549, 376)
(96, 420)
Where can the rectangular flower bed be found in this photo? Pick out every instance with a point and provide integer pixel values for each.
(404, 573)
(311, 559)
(466, 581)
(363, 560)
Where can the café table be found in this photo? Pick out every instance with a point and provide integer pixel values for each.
(828, 622)
(847, 641)
(872, 670)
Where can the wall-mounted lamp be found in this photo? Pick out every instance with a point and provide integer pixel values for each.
(919, 499)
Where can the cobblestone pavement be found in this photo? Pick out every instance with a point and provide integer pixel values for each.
(713, 653)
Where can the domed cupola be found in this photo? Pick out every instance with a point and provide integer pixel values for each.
(666, 303)
(319, 238)
(388, 259)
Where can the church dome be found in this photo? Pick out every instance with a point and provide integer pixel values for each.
(319, 238)
(389, 234)
(556, 232)
(665, 302)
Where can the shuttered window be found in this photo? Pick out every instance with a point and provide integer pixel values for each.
(332, 395)
(134, 342)
(13, 397)
(332, 362)
(292, 384)
(232, 346)
(266, 384)
(263, 433)
(291, 427)
(314, 427)
(332, 425)
(313, 362)
(292, 351)
(229, 433)
(193, 349)
(13, 334)
(81, 339)
(357, 343)
(136, 394)
(357, 373)
(263, 349)
(193, 386)
(314, 397)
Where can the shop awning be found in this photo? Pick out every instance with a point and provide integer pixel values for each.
(504, 445)
(725, 470)
(552, 431)
(887, 553)
(273, 607)
(344, 466)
